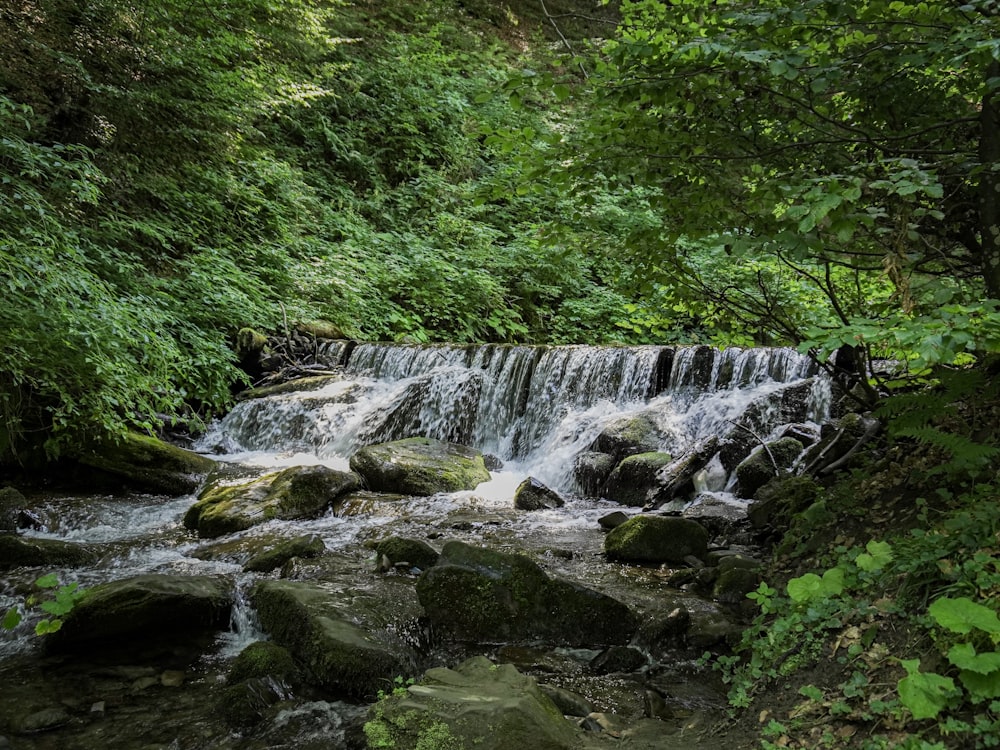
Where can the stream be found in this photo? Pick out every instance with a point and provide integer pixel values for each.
(535, 411)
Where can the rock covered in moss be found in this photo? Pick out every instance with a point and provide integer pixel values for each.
(777, 501)
(296, 492)
(756, 470)
(478, 594)
(634, 477)
(656, 539)
(533, 495)
(306, 545)
(339, 654)
(145, 608)
(398, 550)
(420, 466)
(476, 704)
(149, 464)
(626, 436)
(23, 551)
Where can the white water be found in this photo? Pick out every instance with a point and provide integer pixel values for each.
(536, 409)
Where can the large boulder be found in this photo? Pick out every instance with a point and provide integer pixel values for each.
(145, 608)
(477, 594)
(419, 466)
(478, 704)
(149, 464)
(626, 436)
(23, 551)
(296, 492)
(323, 634)
(11, 503)
(771, 460)
(272, 558)
(398, 551)
(591, 470)
(533, 495)
(656, 539)
(633, 478)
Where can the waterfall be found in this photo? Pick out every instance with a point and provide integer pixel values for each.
(534, 407)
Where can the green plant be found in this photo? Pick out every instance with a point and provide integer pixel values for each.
(54, 599)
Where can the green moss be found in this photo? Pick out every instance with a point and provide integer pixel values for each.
(149, 463)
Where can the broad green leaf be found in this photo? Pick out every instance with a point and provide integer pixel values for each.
(49, 581)
(962, 615)
(964, 656)
(924, 694)
(11, 620)
(879, 555)
(981, 687)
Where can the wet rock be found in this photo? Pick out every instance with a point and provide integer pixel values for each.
(247, 703)
(627, 436)
(664, 632)
(477, 704)
(570, 703)
(414, 552)
(144, 608)
(773, 458)
(296, 492)
(307, 545)
(733, 584)
(322, 634)
(677, 477)
(492, 463)
(149, 464)
(634, 477)
(591, 470)
(40, 721)
(263, 659)
(23, 551)
(617, 659)
(719, 516)
(779, 499)
(477, 594)
(533, 495)
(419, 466)
(312, 383)
(259, 677)
(11, 502)
(656, 539)
(612, 520)
(711, 627)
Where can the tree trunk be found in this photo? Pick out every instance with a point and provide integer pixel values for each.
(989, 184)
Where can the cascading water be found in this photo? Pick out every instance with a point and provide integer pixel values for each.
(534, 408)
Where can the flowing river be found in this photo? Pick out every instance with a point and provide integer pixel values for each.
(534, 410)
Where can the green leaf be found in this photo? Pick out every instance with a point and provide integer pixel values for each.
(964, 656)
(810, 586)
(981, 687)
(49, 581)
(879, 555)
(962, 615)
(11, 620)
(924, 694)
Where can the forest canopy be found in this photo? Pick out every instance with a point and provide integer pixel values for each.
(816, 174)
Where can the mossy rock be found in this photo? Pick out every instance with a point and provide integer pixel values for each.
(777, 501)
(296, 492)
(263, 659)
(249, 341)
(338, 654)
(634, 476)
(312, 383)
(149, 464)
(756, 470)
(475, 705)
(11, 501)
(307, 545)
(485, 596)
(627, 436)
(533, 495)
(656, 539)
(415, 552)
(591, 470)
(734, 583)
(420, 466)
(30, 552)
(145, 608)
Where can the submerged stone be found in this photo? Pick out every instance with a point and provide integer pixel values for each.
(478, 704)
(420, 466)
(656, 539)
(481, 595)
(296, 492)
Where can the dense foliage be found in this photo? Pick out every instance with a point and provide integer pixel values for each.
(824, 172)
(172, 172)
